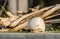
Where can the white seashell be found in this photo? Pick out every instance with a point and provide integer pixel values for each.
(36, 23)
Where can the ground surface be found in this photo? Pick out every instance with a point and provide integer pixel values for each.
(45, 35)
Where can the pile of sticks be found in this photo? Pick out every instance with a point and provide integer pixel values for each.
(15, 23)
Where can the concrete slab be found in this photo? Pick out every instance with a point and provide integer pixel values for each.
(29, 35)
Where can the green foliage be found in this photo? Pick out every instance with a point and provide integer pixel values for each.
(52, 29)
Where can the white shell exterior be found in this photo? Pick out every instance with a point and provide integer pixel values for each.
(36, 23)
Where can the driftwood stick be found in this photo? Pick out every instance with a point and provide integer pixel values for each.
(43, 9)
(8, 13)
(49, 12)
(32, 9)
(3, 6)
(4, 30)
(4, 21)
(53, 21)
(46, 8)
(20, 26)
(11, 16)
(52, 16)
(27, 17)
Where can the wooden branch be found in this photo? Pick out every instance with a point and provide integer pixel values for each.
(28, 16)
(20, 26)
(52, 16)
(11, 16)
(46, 8)
(32, 9)
(3, 6)
(49, 12)
(4, 21)
(19, 12)
(43, 9)
(53, 21)
(7, 21)
(37, 7)
(4, 30)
